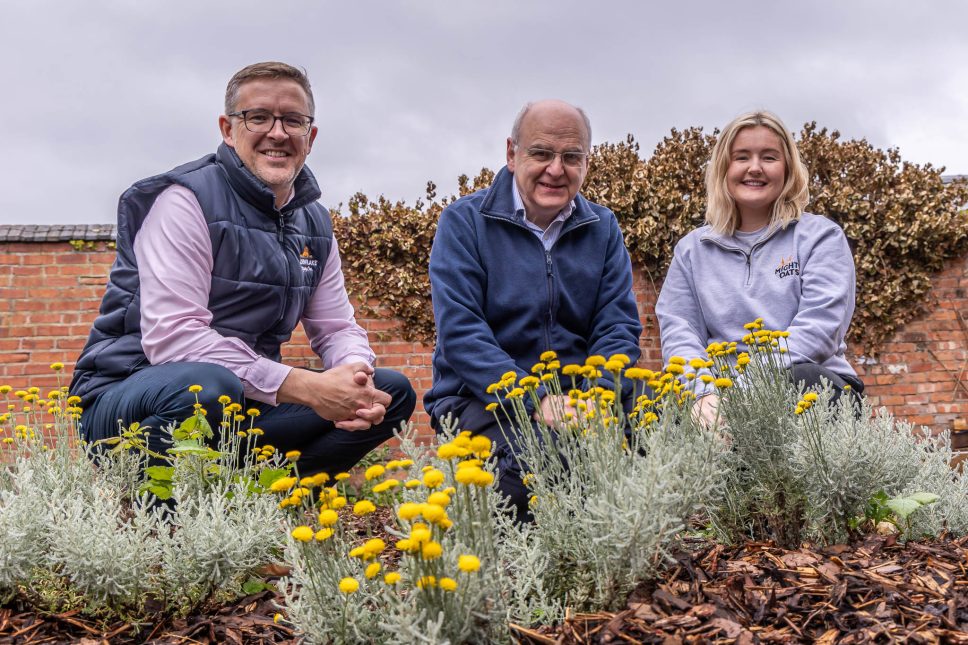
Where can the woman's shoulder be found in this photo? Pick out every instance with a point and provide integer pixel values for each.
(819, 224)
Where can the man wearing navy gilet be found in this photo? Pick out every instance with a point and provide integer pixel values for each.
(218, 261)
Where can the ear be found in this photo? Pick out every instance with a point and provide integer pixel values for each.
(228, 133)
(510, 155)
(313, 131)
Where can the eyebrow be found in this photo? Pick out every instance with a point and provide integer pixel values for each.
(776, 150)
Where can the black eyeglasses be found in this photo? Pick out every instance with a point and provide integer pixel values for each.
(262, 121)
(573, 159)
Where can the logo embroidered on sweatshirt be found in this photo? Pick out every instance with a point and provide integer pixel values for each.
(787, 267)
(306, 260)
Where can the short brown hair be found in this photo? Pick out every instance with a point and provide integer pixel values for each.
(269, 70)
(721, 211)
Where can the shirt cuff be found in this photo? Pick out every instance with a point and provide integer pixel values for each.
(263, 379)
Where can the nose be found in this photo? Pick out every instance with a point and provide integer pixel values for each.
(277, 131)
(556, 166)
(755, 164)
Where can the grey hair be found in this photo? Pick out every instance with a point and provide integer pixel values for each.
(516, 127)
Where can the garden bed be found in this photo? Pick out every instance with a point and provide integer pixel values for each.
(873, 590)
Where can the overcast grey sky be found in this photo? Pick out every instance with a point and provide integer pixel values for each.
(100, 94)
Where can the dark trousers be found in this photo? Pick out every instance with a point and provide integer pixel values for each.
(158, 396)
(812, 375)
(472, 415)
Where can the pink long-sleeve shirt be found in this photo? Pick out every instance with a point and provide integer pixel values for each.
(174, 255)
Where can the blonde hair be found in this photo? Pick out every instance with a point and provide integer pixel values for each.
(721, 210)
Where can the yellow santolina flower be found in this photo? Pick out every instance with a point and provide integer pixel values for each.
(195, 389)
(349, 585)
(480, 444)
(411, 483)
(448, 584)
(810, 396)
(293, 455)
(529, 382)
(328, 517)
(507, 376)
(548, 356)
(391, 578)
(323, 534)
(439, 498)
(491, 407)
(282, 484)
(374, 471)
(492, 388)
(372, 570)
(363, 507)
(553, 365)
(571, 370)
(338, 502)
(468, 563)
(723, 382)
(73, 400)
(4, 389)
(448, 451)
(408, 511)
(258, 432)
(420, 534)
(341, 476)
(432, 512)
(384, 486)
(614, 366)
(537, 367)
(374, 546)
(224, 399)
(515, 393)
(433, 478)
(426, 581)
(674, 368)
(252, 412)
(706, 378)
(57, 366)
(595, 360)
(303, 533)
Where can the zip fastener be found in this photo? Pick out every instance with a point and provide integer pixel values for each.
(748, 256)
(549, 267)
(281, 237)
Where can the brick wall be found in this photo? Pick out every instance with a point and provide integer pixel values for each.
(49, 294)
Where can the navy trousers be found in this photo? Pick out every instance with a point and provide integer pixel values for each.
(158, 396)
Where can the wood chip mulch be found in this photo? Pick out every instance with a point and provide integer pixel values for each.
(873, 591)
(249, 620)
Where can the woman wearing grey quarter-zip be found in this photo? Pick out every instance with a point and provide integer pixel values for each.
(761, 256)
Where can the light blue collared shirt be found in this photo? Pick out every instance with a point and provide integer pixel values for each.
(549, 235)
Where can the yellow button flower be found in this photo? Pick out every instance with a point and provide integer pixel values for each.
(303, 533)
(349, 585)
(468, 563)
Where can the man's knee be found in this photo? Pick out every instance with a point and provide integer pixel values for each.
(402, 395)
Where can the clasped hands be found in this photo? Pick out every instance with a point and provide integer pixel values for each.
(344, 394)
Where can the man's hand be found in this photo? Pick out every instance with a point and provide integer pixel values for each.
(553, 409)
(344, 394)
(705, 411)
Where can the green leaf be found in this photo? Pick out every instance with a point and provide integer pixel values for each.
(255, 585)
(160, 491)
(903, 506)
(270, 475)
(924, 498)
(160, 473)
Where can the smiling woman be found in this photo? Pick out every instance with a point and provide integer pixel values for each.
(761, 257)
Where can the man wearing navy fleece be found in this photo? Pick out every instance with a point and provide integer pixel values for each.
(525, 266)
